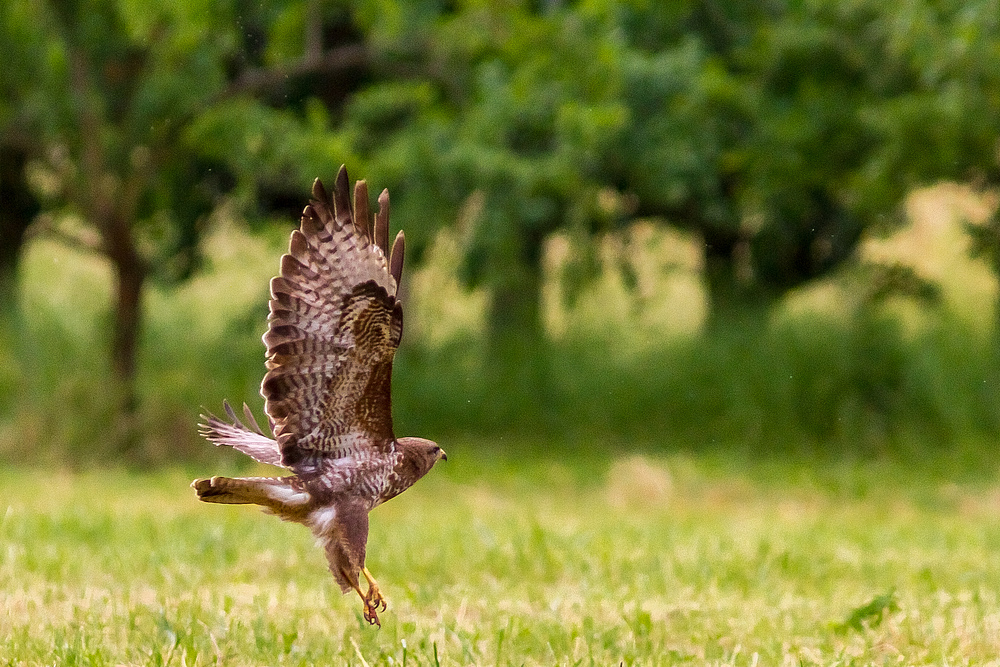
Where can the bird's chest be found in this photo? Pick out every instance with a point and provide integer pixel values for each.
(365, 478)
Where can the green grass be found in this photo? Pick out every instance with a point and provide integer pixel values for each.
(699, 560)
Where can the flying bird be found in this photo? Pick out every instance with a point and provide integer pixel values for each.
(335, 322)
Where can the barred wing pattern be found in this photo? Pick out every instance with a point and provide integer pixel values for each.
(334, 326)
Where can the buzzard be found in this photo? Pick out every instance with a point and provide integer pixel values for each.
(335, 323)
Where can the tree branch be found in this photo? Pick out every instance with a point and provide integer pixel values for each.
(261, 79)
(46, 226)
(256, 81)
(314, 31)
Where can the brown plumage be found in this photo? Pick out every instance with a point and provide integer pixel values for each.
(334, 326)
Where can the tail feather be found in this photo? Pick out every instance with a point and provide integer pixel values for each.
(248, 440)
(284, 496)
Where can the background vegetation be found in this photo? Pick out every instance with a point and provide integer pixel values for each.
(632, 223)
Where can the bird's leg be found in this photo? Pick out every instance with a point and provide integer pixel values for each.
(374, 598)
(371, 610)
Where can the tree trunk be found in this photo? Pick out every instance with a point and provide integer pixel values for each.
(515, 308)
(736, 300)
(516, 361)
(18, 210)
(130, 279)
(10, 258)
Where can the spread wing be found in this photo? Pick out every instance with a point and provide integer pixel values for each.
(334, 327)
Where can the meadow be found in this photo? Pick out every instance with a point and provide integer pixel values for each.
(535, 561)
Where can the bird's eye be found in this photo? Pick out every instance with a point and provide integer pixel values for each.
(435, 449)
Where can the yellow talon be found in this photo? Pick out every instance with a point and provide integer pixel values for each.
(371, 600)
(374, 597)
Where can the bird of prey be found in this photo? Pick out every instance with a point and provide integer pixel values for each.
(335, 323)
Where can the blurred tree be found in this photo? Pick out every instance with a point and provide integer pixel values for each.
(498, 114)
(747, 129)
(780, 132)
(131, 120)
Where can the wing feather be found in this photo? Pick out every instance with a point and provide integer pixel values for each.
(333, 328)
(382, 222)
(249, 439)
(361, 209)
(396, 258)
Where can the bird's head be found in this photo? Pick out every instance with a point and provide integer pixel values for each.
(421, 453)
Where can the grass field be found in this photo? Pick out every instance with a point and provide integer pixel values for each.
(595, 561)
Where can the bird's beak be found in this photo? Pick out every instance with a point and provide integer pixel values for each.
(442, 455)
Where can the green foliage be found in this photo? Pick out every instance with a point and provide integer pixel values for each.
(512, 561)
(144, 105)
(512, 106)
(779, 134)
(139, 121)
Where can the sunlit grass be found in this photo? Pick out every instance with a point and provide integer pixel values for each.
(537, 562)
